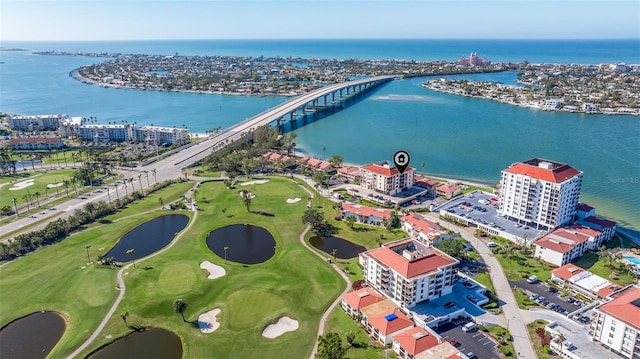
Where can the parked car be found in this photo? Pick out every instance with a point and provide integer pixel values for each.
(454, 343)
(471, 355)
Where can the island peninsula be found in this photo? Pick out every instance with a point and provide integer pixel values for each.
(604, 88)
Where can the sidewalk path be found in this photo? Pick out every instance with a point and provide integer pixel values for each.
(515, 323)
(323, 320)
(122, 287)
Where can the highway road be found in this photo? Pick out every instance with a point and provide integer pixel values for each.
(171, 167)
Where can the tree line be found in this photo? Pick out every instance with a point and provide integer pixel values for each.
(59, 229)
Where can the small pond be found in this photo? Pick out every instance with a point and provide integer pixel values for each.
(33, 336)
(150, 343)
(344, 249)
(148, 237)
(246, 244)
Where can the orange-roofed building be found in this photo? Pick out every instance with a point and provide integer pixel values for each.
(382, 177)
(423, 230)
(408, 272)
(385, 325)
(561, 246)
(540, 193)
(616, 324)
(349, 173)
(443, 350)
(354, 301)
(448, 191)
(414, 341)
(583, 281)
(364, 214)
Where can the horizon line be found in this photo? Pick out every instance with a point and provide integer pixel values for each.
(334, 39)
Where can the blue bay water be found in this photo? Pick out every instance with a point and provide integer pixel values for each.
(453, 136)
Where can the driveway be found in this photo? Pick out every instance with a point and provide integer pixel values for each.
(476, 341)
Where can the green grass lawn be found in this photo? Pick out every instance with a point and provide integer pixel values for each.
(590, 262)
(339, 322)
(294, 283)
(8, 189)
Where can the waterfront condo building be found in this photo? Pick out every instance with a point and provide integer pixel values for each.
(616, 324)
(36, 123)
(384, 178)
(409, 272)
(540, 193)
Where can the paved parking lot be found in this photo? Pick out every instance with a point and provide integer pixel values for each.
(476, 341)
(542, 289)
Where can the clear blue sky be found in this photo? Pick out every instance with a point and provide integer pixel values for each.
(317, 19)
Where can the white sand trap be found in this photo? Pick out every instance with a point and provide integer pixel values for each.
(54, 185)
(208, 321)
(22, 185)
(254, 182)
(283, 325)
(214, 270)
(293, 200)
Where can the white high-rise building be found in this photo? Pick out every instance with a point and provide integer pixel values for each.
(540, 193)
(408, 272)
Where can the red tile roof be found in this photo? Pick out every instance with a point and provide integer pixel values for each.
(567, 271)
(583, 207)
(425, 264)
(448, 188)
(625, 307)
(353, 171)
(362, 298)
(366, 211)
(587, 231)
(417, 340)
(421, 224)
(601, 222)
(381, 170)
(557, 175)
(385, 326)
(606, 291)
(546, 242)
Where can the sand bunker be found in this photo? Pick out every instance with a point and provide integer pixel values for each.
(54, 185)
(283, 325)
(208, 321)
(214, 270)
(293, 200)
(22, 185)
(254, 182)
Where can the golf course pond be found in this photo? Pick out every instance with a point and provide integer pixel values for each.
(149, 343)
(148, 237)
(344, 249)
(33, 336)
(245, 243)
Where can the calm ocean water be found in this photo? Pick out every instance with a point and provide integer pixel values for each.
(453, 136)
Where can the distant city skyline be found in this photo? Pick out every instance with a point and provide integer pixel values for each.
(90, 20)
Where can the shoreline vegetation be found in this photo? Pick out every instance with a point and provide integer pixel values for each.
(610, 89)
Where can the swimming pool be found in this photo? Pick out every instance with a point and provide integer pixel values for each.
(633, 260)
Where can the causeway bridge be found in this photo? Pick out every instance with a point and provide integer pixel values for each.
(325, 97)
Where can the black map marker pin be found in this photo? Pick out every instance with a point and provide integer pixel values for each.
(401, 160)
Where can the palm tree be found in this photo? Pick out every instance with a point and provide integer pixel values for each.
(15, 206)
(225, 254)
(246, 198)
(37, 196)
(124, 185)
(334, 253)
(161, 202)
(351, 220)
(147, 173)
(155, 179)
(140, 181)
(131, 252)
(26, 199)
(131, 182)
(88, 257)
(180, 306)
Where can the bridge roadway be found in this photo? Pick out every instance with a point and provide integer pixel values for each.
(172, 167)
